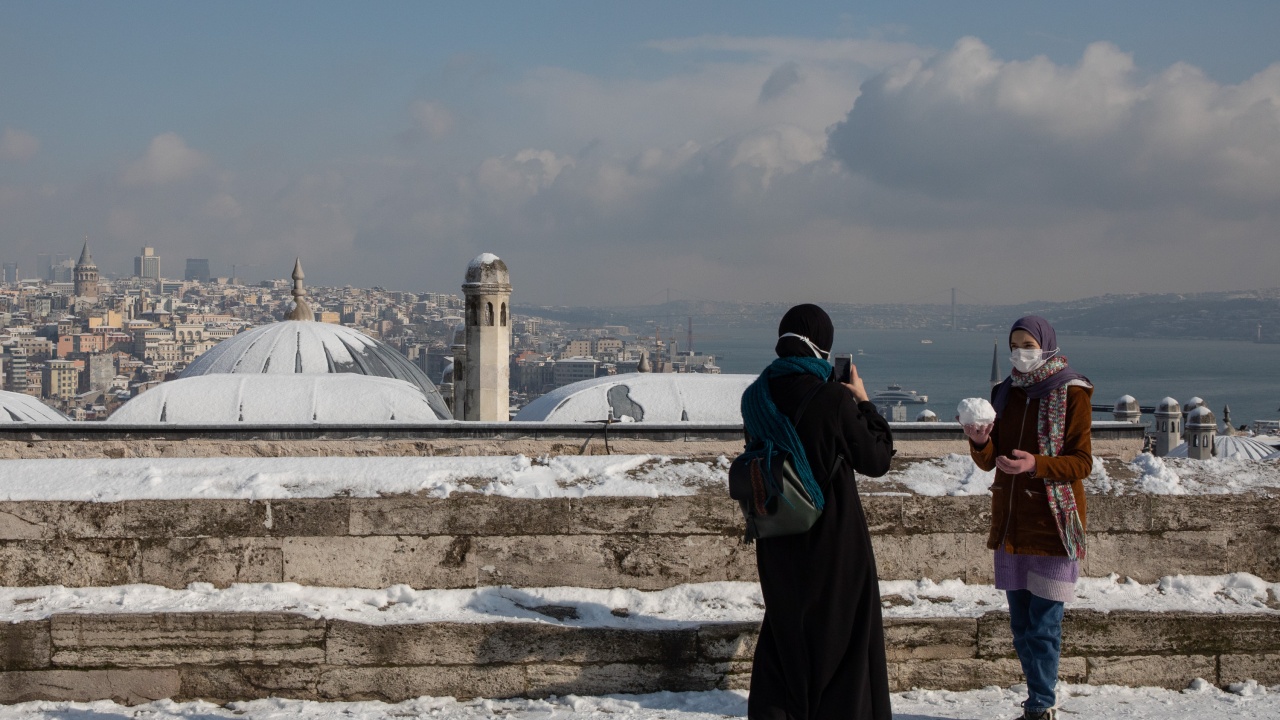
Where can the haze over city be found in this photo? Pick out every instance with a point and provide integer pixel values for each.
(752, 152)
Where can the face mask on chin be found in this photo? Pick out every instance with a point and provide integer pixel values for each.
(1026, 360)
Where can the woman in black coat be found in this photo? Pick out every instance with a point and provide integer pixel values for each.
(821, 649)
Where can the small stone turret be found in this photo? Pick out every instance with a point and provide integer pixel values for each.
(926, 416)
(1126, 409)
(1192, 404)
(1168, 427)
(1202, 431)
(458, 389)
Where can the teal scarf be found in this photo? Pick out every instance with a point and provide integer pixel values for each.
(764, 424)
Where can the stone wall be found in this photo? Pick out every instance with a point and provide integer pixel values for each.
(223, 657)
(471, 540)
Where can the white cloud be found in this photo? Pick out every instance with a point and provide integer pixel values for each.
(18, 145)
(168, 159)
(433, 119)
(1099, 133)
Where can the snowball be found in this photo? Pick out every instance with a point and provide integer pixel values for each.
(976, 411)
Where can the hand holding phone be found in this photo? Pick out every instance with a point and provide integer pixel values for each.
(844, 368)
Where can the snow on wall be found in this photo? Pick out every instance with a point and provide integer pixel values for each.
(226, 399)
(660, 397)
(689, 604)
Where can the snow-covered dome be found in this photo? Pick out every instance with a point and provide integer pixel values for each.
(1201, 415)
(311, 348)
(645, 397)
(487, 269)
(226, 399)
(1192, 404)
(1169, 406)
(21, 408)
(1234, 447)
(1126, 404)
(927, 416)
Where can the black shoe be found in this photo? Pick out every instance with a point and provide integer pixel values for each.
(1046, 714)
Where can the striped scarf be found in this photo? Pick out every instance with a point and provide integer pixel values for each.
(1050, 426)
(765, 424)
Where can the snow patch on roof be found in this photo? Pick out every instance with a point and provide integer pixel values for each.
(22, 408)
(660, 397)
(227, 399)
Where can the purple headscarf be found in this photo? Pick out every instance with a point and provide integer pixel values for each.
(1043, 332)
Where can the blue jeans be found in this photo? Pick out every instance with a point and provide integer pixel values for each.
(1037, 636)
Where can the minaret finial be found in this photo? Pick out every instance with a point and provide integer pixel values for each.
(301, 311)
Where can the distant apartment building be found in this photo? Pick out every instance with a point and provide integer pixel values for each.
(573, 369)
(61, 379)
(10, 273)
(99, 372)
(147, 265)
(576, 349)
(15, 379)
(197, 270)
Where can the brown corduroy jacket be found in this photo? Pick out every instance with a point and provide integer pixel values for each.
(1020, 516)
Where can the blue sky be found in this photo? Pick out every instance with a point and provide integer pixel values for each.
(866, 151)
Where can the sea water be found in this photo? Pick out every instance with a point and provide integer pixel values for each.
(956, 365)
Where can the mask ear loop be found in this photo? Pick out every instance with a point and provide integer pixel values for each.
(817, 352)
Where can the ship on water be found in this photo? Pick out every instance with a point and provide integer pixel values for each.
(895, 393)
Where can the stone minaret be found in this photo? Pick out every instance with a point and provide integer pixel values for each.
(1168, 429)
(86, 274)
(1202, 431)
(301, 311)
(486, 394)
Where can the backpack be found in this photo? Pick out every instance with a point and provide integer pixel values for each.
(769, 491)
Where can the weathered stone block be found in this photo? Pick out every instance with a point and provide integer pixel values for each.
(302, 517)
(959, 514)
(378, 562)
(734, 675)
(502, 643)
(127, 687)
(939, 556)
(930, 638)
(1128, 632)
(25, 645)
(883, 513)
(603, 561)
(20, 521)
(1168, 671)
(1263, 667)
(178, 562)
(1119, 514)
(545, 680)
(168, 639)
(244, 681)
(1148, 557)
(728, 641)
(397, 684)
(970, 674)
(75, 563)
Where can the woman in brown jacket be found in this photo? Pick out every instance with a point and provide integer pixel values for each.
(1040, 449)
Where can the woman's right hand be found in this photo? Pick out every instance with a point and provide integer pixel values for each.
(977, 434)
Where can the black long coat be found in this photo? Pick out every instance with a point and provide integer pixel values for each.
(821, 649)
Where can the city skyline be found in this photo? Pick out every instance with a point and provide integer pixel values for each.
(738, 152)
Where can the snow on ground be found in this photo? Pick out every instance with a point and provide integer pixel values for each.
(956, 474)
(1106, 702)
(280, 478)
(680, 606)
(557, 476)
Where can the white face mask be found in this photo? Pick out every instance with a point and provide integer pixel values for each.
(825, 355)
(1027, 360)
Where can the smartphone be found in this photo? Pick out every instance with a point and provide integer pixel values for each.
(844, 368)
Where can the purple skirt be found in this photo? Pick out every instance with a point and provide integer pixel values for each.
(1046, 576)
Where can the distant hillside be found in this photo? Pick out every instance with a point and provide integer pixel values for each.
(1223, 316)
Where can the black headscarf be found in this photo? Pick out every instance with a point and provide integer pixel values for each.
(809, 321)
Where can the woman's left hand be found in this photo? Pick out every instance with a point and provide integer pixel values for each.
(1021, 462)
